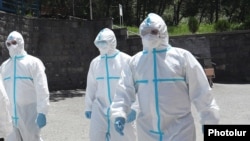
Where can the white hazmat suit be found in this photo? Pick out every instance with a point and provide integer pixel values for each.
(5, 118)
(167, 80)
(104, 73)
(26, 85)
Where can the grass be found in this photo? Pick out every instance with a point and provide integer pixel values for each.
(181, 29)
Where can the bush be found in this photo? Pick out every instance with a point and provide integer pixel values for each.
(222, 25)
(193, 24)
(247, 23)
(237, 26)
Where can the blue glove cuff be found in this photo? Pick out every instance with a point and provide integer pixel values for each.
(41, 120)
(131, 116)
(88, 114)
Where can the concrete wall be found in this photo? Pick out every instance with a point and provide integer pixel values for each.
(66, 48)
(227, 52)
(231, 53)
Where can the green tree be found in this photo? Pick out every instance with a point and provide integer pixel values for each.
(134, 11)
(193, 24)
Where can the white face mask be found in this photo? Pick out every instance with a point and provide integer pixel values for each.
(151, 41)
(13, 49)
(102, 46)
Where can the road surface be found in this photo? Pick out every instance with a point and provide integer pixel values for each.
(66, 121)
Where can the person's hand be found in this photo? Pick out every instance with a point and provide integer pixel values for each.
(88, 114)
(119, 125)
(41, 120)
(131, 116)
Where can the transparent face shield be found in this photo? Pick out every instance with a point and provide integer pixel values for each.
(150, 37)
(149, 30)
(12, 42)
(13, 48)
(11, 45)
(102, 46)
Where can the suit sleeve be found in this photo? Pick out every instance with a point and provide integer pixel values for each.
(41, 87)
(200, 91)
(91, 88)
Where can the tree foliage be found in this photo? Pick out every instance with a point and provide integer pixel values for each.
(134, 11)
(222, 25)
(193, 24)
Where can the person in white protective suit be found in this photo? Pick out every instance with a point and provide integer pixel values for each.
(103, 75)
(26, 85)
(166, 80)
(5, 118)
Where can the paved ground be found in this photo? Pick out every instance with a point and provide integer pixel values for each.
(66, 121)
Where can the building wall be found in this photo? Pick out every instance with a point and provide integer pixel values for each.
(66, 48)
(231, 53)
(227, 52)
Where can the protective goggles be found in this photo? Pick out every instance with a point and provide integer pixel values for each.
(101, 43)
(152, 31)
(12, 42)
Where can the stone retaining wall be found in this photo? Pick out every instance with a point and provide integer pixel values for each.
(66, 48)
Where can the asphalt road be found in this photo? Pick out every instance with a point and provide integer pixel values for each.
(66, 121)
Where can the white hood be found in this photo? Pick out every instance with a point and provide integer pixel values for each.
(18, 49)
(106, 42)
(154, 22)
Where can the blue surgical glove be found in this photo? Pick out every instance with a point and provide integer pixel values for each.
(119, 125)
(88, 114)
(41, 120)
(131, 116)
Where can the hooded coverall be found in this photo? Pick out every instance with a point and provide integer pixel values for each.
(5, 118)
(103, 75)
(26, 85)
(166, 80)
